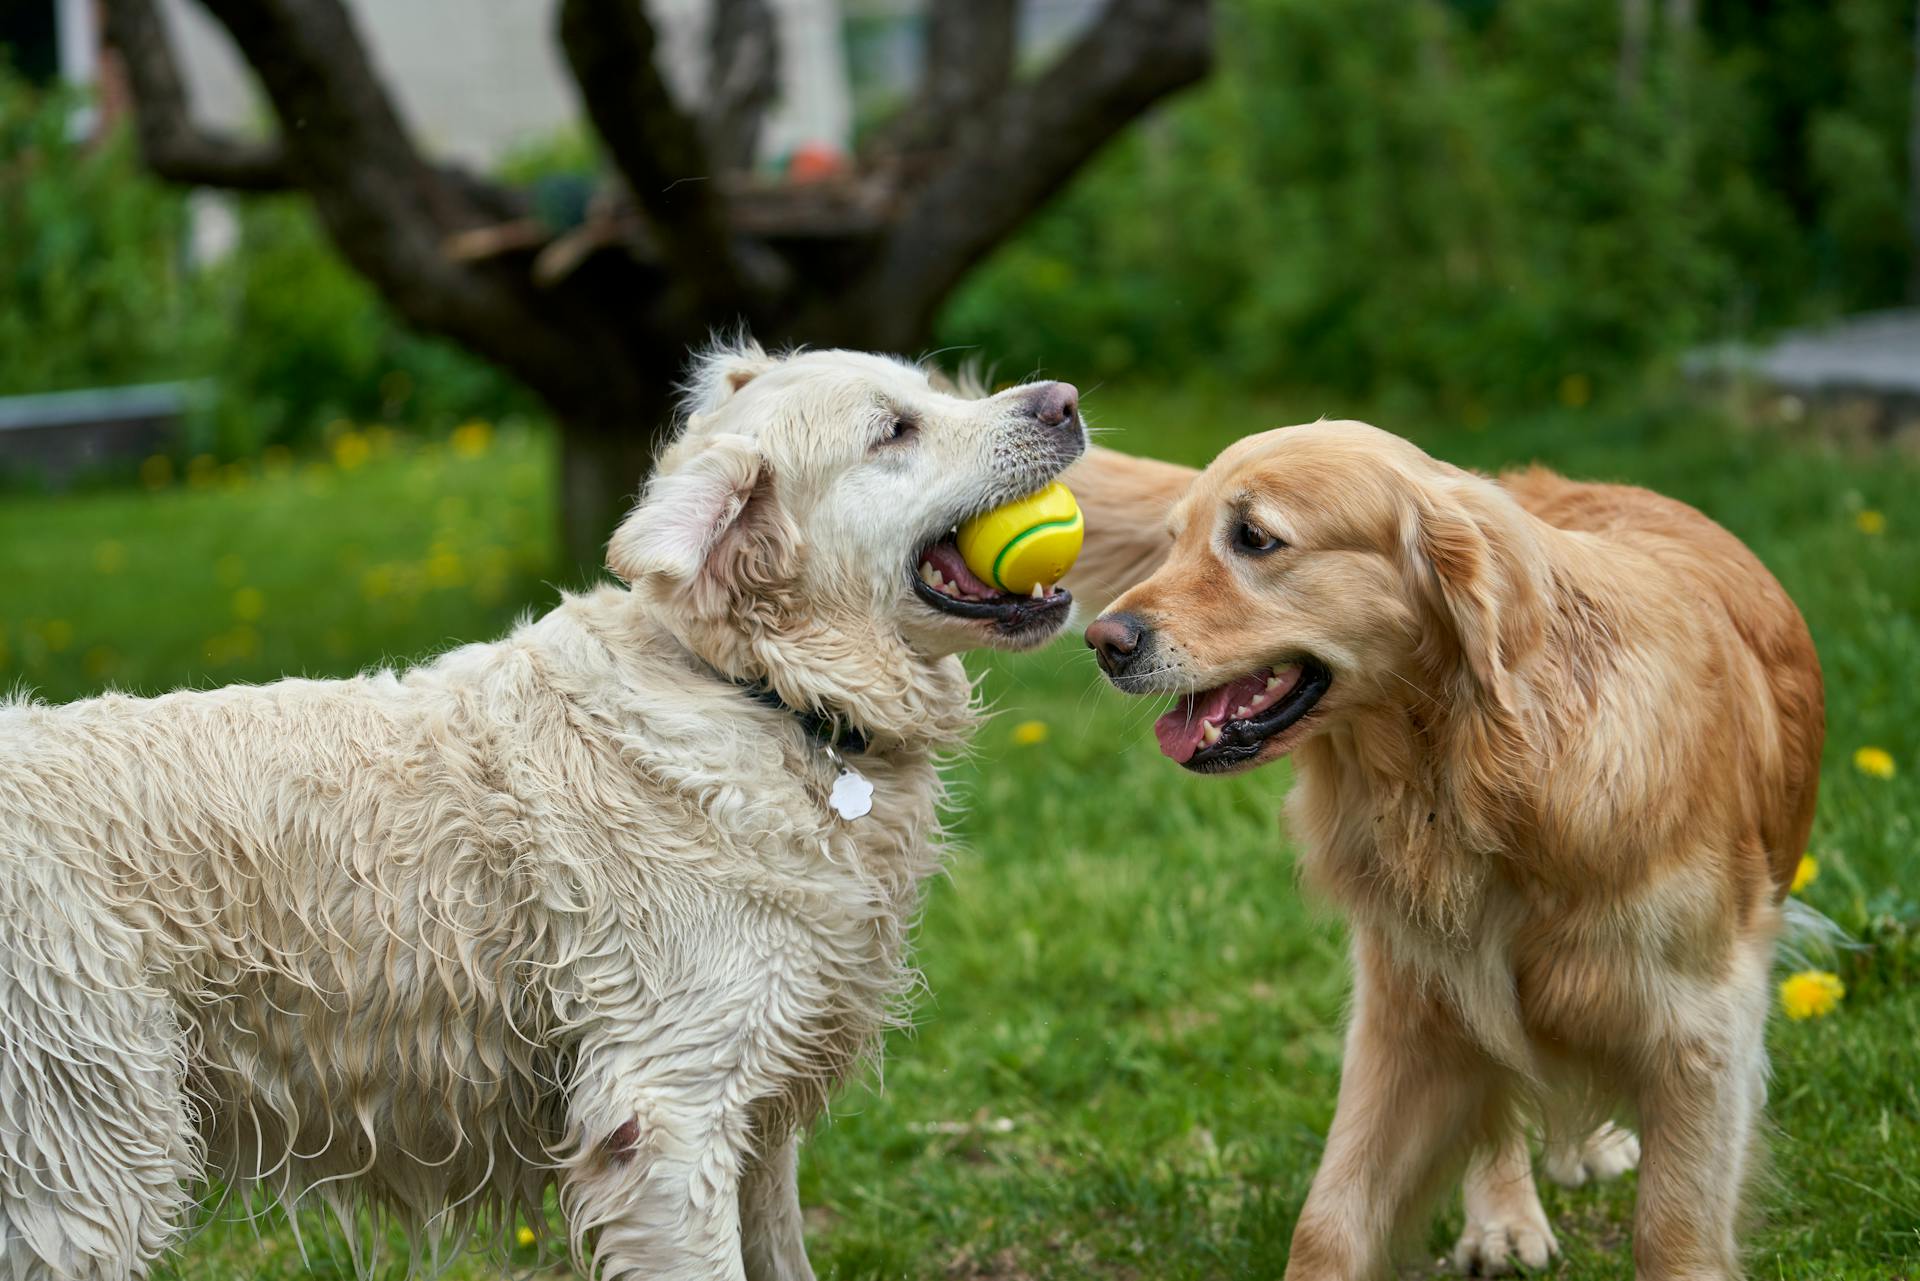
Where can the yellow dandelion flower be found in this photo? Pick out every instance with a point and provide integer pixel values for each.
(444, 568)
(1576, 390)
(203, 471)
(1874, 762)
(1806, 873)
(377, 582)
(1811, 994)
(1030, 733)
(109, 556)
(351, 450)
(235, 476)
(524, 1236)
(471, 439)
(1869, 521)
(58, 634)
(249, 603)
(157, 472)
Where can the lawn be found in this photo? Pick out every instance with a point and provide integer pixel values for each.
(1127, 1054)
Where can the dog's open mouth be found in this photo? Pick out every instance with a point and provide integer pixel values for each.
(1213, 729)
(941, 579)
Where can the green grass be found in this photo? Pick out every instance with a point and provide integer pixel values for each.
(1127, 1056)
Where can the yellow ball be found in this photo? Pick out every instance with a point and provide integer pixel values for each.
(1034, 540)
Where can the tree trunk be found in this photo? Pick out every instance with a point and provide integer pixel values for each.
(602, 467)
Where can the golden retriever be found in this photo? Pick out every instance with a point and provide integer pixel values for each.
(610, 904)
(1555, 748)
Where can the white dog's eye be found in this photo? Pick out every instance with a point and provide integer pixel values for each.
(1253, 540)
(899, 428)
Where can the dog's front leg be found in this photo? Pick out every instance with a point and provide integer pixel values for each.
(771, 1230)
(654, 1190)
(1414, 1092)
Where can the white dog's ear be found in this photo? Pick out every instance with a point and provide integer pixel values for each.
(719, 373)
(1458, 556)
(687, 514)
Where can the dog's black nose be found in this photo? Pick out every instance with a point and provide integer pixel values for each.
(1114, 639)
(1055, 404)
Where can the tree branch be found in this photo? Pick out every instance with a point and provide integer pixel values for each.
(1029, 143)
(969, 59)
(173, 147)
(390, 212)
(610, 45)
(743, 78)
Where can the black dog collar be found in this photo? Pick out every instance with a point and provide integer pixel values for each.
(830, 731)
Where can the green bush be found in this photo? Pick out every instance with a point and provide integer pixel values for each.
(309, 342)
(96, 289)
(1467, 203)
(93, 287)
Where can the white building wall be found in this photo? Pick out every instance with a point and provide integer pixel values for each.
(475, 78)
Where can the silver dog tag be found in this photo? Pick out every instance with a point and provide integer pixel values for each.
(852, 795)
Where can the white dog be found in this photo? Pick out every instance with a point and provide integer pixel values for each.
(611, 904)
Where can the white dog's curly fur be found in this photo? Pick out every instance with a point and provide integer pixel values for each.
(568, 908)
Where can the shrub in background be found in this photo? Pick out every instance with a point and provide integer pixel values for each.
(96, 289)
(1470, 203)
(93, 288)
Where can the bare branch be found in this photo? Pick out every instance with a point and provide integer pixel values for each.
(611, 47)
(391, 212)
(969, 58)
(1029, 143)
(967, 63)
(743, 79)
(173, 147)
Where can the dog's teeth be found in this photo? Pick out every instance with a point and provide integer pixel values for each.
(1273, 683)
(1241, 713)
(927, 573)
(1039, 592)
(1211, 736)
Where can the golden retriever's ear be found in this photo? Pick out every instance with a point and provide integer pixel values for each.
(720, 372)
(687, 515)
(1459, 563)
(1125, 501)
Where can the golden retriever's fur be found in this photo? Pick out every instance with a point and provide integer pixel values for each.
(565, 909)
(1560, 780)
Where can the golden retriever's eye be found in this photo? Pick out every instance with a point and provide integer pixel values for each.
(1250, 539)
(899, 430)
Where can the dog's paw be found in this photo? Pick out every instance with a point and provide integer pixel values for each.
(1607, 1153)
(1496, 1247)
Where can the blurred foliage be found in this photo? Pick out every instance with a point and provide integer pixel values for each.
(1473, 201)
(96, 289)
(92, 284)
(1472, 204)
(310, 343)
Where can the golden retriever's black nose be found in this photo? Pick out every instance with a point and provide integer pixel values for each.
(1113, 640)
(1055, 404)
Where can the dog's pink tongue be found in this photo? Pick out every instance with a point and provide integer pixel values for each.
(1181, 729)
(946, 558)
